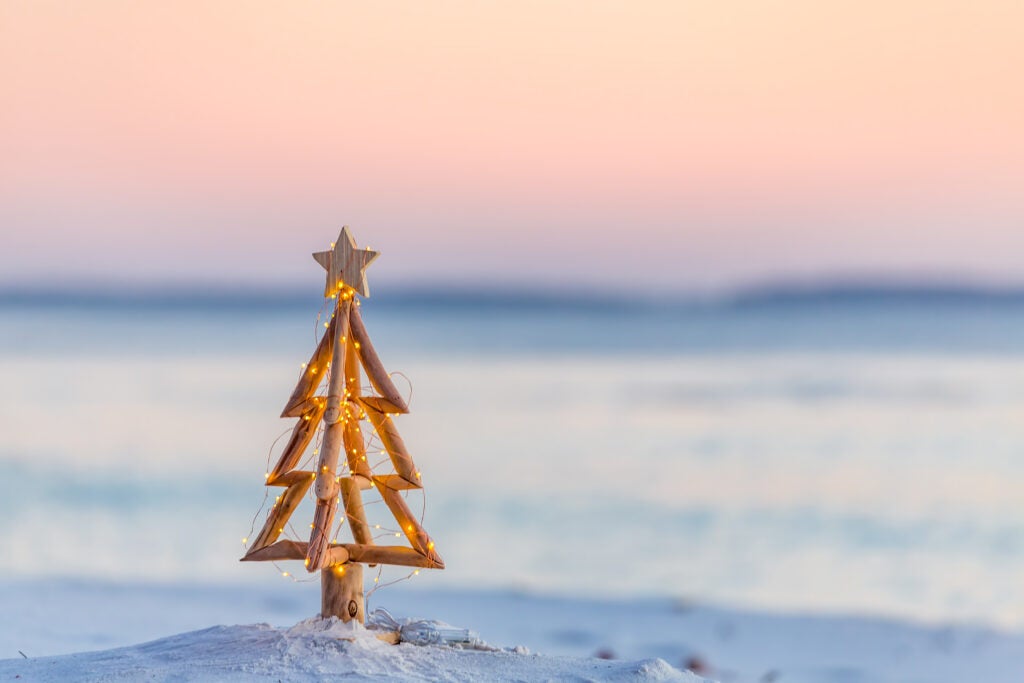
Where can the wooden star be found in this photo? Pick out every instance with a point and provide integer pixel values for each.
(346, 265)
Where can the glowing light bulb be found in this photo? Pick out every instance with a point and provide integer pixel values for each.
(285, 574)
(416, 572)
(430, 546)
(245, 540)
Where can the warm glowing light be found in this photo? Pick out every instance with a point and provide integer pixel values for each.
(285, 574)
(245, 540)
(430, 546)
(416, 572)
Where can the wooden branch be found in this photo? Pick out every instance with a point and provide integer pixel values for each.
(282, 550)
(353, 386)
(418, 538)
(355, 450)
(295, 550)
(336, 554)
(282, 511)
(354, 512)
(313, 373)
(302, 434)
(319, 539)
(393, 444)
(395, 482)
(392, 554)
(379, 377)
(293, 477)
(334, 424)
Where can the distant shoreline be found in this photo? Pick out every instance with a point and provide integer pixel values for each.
(507, 298)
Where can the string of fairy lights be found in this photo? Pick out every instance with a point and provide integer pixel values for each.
(373, 444)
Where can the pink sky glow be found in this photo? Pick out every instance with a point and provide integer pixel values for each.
(694, 144)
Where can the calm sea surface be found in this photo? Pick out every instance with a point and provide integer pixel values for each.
(863, 456)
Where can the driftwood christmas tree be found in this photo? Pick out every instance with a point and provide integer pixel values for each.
(344, 348)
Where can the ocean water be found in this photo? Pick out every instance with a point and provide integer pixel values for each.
(852, 455)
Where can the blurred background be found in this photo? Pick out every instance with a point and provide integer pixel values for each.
(710, 300)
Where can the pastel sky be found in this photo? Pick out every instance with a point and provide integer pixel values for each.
(662, 144)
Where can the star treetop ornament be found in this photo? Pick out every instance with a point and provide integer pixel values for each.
(346, 265)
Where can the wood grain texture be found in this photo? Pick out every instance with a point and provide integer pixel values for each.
(282, 550)
(319, 535)
(395, 482)
(341, 589)
(346, 265)
(393, 554)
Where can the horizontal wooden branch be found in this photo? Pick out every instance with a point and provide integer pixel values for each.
(282, 550)
(396, 482)
(337, 553)
(392, 554)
